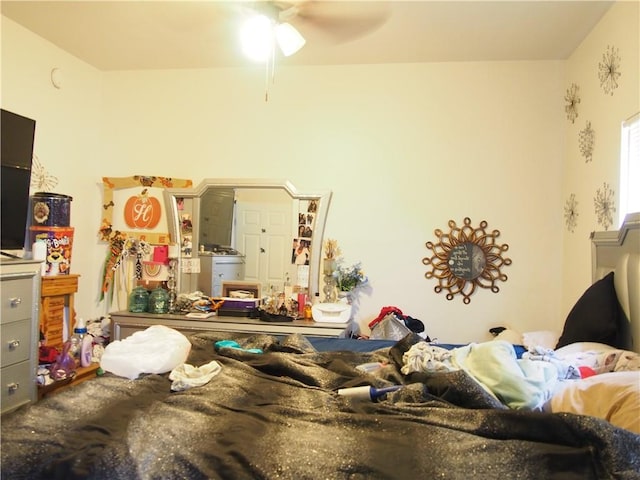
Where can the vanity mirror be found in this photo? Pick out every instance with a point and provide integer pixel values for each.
(271, 231)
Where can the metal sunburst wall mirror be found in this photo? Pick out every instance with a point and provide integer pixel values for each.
(466, 258)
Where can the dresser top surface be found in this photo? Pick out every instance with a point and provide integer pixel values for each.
(230, 320)
(18, 265)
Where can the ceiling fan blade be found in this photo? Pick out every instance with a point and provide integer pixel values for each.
(340, 21)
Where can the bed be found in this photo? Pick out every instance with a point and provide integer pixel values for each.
(293, 407)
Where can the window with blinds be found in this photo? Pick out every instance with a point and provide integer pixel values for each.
(630, 167)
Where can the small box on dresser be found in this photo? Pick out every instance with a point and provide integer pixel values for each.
(20, 291)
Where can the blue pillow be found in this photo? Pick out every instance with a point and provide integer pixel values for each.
(598, 317)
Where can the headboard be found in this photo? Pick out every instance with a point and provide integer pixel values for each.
(619, 251)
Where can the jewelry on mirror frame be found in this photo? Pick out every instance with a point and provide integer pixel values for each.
(171, 284)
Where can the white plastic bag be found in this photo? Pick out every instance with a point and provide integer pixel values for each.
(389, 328)
(158, 349)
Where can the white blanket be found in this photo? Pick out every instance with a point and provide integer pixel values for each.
(518, 383)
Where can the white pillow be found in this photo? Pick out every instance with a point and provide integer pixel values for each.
(540, 338)
(613, 396)
(512, 336)
(580, 347)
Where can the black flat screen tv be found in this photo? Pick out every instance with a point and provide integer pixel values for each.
(16, 145)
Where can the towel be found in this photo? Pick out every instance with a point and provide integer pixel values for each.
(186, 376)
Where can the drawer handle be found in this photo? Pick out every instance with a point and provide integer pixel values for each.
(15, 301)
(13, 344)
(12, 387)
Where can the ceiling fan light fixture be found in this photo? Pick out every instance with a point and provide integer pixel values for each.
(288, 38)
(257, 39)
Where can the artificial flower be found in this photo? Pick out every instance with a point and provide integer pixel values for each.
(350, 277)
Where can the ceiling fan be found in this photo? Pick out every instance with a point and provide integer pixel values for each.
(291, 24)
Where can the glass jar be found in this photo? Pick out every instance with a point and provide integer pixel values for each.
(139, 300)
(159, 301)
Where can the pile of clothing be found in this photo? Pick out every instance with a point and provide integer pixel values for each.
(392, 324)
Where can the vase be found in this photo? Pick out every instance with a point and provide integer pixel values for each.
(344, 297)
(139, 300)
(328, 266)
(329, 289)
(159, 301)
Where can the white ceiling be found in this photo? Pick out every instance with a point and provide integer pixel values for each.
(123, 35)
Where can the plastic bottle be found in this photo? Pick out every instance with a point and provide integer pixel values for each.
(308, 313)
(288, 289)
(367, 392)
(79, 332)
(86, 350)
(64, 366)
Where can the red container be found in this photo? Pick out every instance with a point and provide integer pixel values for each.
(59, 242)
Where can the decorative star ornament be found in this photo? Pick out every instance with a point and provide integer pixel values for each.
(571, 213)
(586, 141)
(573, 99)
(609, 70)
(605, 206)
(41, 180)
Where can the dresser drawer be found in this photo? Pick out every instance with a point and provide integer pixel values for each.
(17, 296)
(17, 385)
(16, 342)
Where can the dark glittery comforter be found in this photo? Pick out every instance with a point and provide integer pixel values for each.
(277, 415)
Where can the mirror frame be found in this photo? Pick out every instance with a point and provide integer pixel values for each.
(441, 261)
(461, 263)
(323, 199)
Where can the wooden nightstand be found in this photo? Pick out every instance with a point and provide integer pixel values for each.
(56, 292)
(82, 374)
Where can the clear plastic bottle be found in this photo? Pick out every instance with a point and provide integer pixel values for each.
(86, 350)
(79, 331)
(64, 366)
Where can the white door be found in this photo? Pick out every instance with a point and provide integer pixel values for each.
(264, 235)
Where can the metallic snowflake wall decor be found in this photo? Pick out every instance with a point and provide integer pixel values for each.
(41, 180)
(609, 70)
(573, 99)
(605, 206)
(571, 213)
(586, 141)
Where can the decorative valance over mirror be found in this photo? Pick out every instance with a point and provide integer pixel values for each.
(274, 230)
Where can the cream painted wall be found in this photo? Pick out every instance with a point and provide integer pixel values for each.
(619, 28)
(404, 148)
(67, 139)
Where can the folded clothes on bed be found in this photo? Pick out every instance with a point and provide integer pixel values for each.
(518, 383)
(566, 369)
(392, 324)
(601, 358)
